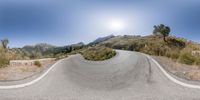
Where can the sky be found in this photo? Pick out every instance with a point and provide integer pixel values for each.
(63, 22)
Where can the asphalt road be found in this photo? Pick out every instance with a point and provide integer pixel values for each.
(127, 76)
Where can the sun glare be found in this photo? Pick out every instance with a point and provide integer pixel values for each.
(116, 25)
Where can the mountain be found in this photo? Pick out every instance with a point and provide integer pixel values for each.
(68, 48)
(42, 47)
(48, 50)
(77, 44)
(101, 39)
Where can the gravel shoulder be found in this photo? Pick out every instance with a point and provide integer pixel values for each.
(186, 72)
(17, 73)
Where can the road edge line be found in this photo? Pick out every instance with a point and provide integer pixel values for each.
(170, 77)
(32, 81)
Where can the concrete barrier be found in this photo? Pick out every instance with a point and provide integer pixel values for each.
(29, 62)
(196, 53)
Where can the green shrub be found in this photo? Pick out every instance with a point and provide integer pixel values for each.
(186, 58)
(4, 62)
(98, 53)
(197, 61)
(174, 55)
(60, 56)
(37, 63)
(176, 42)
(4, 59)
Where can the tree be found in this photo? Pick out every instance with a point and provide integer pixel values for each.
(162, 30)
(4, 43)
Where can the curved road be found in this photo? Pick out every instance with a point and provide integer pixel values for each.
(127, 76)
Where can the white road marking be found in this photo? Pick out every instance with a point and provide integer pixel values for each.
(170, 77)
(45, 73)
(33, 81)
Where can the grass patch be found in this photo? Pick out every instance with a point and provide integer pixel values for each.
(178, 49)
(3, 62)
(4, 59)
(98, 53)
(186, 58)
(37, 63)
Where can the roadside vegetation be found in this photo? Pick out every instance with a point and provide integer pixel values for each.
(38, 51)
(4, 58)
(160, 43)
(4, 61)
(37, 63)
(7, 54)
(98, 53)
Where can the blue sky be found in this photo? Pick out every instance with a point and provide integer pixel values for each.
(62, 22)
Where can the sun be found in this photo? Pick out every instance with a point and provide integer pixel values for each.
(116, 25)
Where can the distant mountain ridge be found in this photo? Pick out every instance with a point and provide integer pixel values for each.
(40, 44)
(101, 39)
(41, 47)
(151, 44)
(77, 44)
(44, 49)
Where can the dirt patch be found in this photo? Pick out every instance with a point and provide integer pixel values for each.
(188, 72)
(20, 72)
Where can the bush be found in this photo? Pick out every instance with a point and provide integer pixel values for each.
(186, 58)
(176, 42)
(37, 63)
(174, 55)
(197, 61)
(60, 56)
(98, 53)
(4, 62)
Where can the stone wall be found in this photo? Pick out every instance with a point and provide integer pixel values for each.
(196, 53)
(29, 62)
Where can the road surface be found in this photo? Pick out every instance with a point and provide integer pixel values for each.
(127, 76)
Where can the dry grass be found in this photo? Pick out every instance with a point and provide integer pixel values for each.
(22, 71)
(189, 72)
(4, 58)
(178, 49)
(98, 53)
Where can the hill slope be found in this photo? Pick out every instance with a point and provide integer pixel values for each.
(176, 48)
